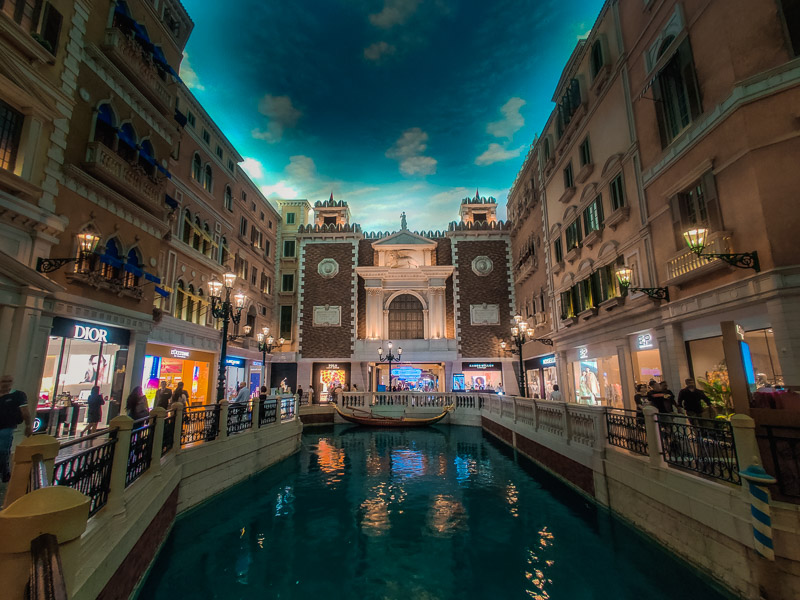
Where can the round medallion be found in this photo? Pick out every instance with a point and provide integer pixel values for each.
(153, 262)
(84, 94)
(328, 268)
(482, 265)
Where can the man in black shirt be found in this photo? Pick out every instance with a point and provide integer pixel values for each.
(690, 399)
(163, 396)
(13, 411)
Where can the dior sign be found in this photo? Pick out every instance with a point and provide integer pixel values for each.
(93, 334)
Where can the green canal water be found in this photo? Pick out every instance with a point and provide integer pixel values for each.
(436, 513)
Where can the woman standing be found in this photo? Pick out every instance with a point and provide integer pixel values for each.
(137, 404)
(181, 395)
(94, 411)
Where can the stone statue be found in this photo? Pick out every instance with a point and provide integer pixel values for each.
(403, 224)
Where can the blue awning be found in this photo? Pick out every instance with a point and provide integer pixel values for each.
(111, 260)
(131, 268)
(151, 277)
(161, 291)
(164, 171)
(170, 201)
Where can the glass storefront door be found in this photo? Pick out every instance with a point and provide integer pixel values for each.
(597, 381)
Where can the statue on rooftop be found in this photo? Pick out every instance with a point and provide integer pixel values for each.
(403, 223)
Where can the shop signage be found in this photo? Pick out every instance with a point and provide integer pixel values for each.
(541, 361)
(234, 361)
(480, 366)
(179, 353)
(644, 341)
(333, 366)
(92, 332)
(549, 360)
(583, 352)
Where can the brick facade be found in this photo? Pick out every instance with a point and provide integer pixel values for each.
(477, 341)
(326, 342)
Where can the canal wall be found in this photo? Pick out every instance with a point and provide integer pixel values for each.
(707, 523)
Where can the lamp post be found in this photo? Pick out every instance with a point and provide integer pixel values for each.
(266, 343)
(87, 242)
(390, 358)
(625, 276)
(696, 240)
(227, 311)
(519, 335)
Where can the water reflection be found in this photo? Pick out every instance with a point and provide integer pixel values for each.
(511, 497)
(407, 463)
(446, 515)
(537, 567)
(465, 467)
(331, 461)
(284, 506)
(375, 512)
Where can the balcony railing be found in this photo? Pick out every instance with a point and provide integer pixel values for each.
(129, 180)
(687, 265)
(137, 65)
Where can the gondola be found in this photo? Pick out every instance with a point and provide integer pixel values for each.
(380, 421)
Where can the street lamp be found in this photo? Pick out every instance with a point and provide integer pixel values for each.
(87, 242)
(227, 311)
(519, 335)
(625, 276)
(266, 343)
(390, 358)
(696, 240)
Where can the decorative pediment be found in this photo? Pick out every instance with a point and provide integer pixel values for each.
(401, 239)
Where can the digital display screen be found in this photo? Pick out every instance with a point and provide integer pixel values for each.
(749, 372)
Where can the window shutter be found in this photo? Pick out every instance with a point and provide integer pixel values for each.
(678, 220)
(658, 102)
(689, 77)
(712, 202)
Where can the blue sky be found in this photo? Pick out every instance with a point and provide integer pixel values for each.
(391, 105)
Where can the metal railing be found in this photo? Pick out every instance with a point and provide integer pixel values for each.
(200, 424)
(141, 451)
(287, 408)
(47, 575)
(88, 471)
(784, 452)
(240, 417)
(705, 446)
(169, 433)
(626, 430)
(267, 411)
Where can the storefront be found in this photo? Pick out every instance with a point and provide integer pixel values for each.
(280, 372)
(596, 377)
(482, 375)
(542, 375)
(326, 377)
(81, 355)
(646, 357)
(173, 365)
(235, 372)
(415, 377)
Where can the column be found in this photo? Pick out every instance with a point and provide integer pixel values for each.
(374, 312)
(137, 349)
(119, 466)
(626, 374)
(673, 355)
(426, 324)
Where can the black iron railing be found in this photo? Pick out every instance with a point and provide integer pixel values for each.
(141, 451)
(784, 452)
(626, 430)
(240, 417)
(267, 411)
(89, 470)
(287, 408)
(38, 473)
(47, 575)
(169, 433)
(704, 446)
(200, 424)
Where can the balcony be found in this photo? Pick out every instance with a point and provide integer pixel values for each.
(619, 216)
(127, 179)
(686, 265)
(593, 237)
(136, 64)
(567, 195)
(584, 173)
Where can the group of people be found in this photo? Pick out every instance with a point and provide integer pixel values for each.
(137, 406)
(690, 399)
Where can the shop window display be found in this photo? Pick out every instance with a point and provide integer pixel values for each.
(597, 381)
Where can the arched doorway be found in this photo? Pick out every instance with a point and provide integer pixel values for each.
(406, 320)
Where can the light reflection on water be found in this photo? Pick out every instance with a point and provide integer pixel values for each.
(435, 513)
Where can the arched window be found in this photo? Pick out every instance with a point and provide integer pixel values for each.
(147, 158)
(180, 300)
(187, 227)
(676, 92)
(108, 270)
(197, 229)
(126, 147)
(105, 126)
(224, 252)
(190, 305)
(228, 198)
(134, 261)
(406, 321)
(208, 180)
(197, 168)
(596, 58)
(206, 240)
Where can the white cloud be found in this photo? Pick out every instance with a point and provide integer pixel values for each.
(279, 190)
(300, 180)
(253, 168)
(511, 122)
(301, 168)
(281, 114)
(188, 75)
(497, 153)
(409, 151)
(394, 12)
(378, 50)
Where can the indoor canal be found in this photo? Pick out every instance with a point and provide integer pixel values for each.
(434, 513)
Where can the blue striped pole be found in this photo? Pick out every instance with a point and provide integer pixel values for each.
(758, 480)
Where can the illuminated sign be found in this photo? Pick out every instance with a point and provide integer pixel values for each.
(644, 340)
(234, 361)
(179, 353)
(93, 334)
(482, 366)
(333, 366)
(407, 373)
(583, 352)
(37, 424)
(549, 360)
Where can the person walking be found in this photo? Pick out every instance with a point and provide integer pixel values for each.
(163, 395)
(691, 400)
(94, 410)
(181, 395)
(13, 411)
(136, 405)
(555, 395)
(300, 394)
